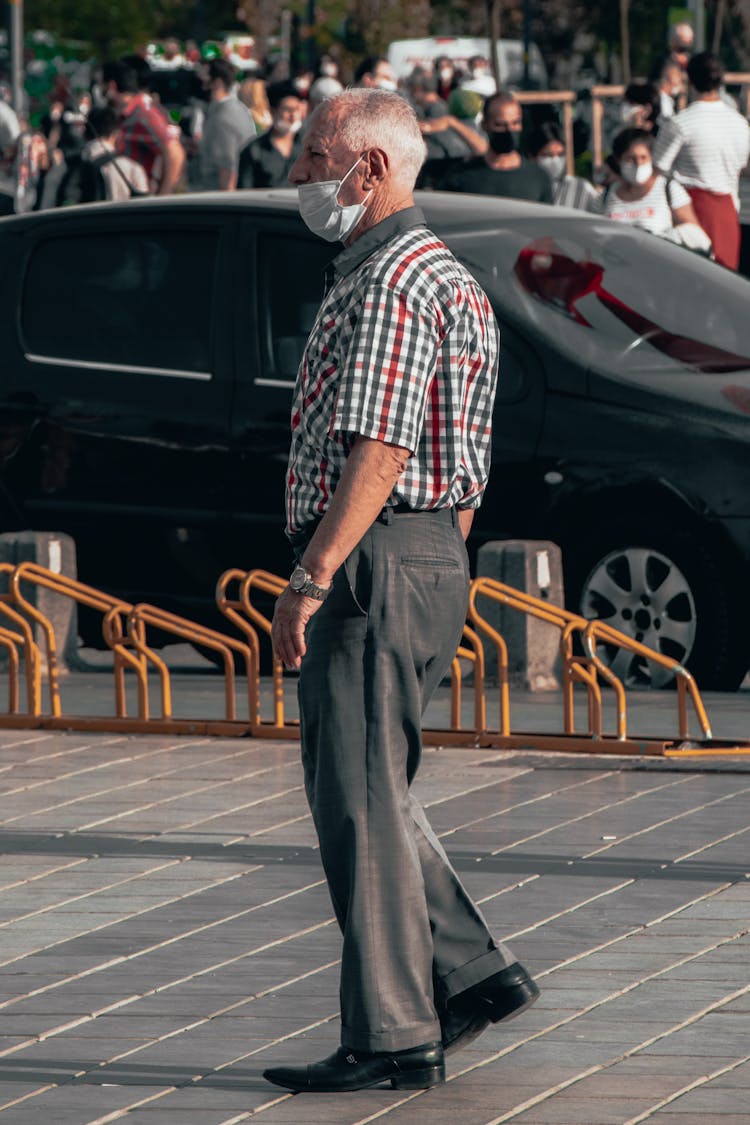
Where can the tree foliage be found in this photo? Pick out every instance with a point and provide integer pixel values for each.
(110, 28)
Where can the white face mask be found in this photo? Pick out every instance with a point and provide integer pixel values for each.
(628, 112)
(386, 84)
(284, 128)
(636, 173)
(323, 214)
(554, 166)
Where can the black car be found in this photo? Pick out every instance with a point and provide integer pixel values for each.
(149, 351)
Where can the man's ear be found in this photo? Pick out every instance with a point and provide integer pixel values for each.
(378, 167)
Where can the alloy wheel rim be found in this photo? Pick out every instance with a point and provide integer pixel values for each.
(645, 595)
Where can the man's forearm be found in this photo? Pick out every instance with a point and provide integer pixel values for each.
(465, 520)
(174, 162)
(371, 471)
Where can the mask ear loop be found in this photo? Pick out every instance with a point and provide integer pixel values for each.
(348, 174)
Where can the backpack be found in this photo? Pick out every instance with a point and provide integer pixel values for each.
(84, 181)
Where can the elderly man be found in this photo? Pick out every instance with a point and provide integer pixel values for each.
(389, 459)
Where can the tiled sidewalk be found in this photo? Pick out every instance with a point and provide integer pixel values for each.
(165, 934)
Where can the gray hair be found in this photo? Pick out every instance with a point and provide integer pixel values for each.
(382, 119)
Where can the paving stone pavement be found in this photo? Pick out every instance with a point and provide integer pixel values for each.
(166, 934)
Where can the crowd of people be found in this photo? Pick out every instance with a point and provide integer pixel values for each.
(676, 154)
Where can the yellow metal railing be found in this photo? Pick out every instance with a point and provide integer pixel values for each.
(126, 630)
(585, 669)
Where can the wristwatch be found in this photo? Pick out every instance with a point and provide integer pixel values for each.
(301, 582)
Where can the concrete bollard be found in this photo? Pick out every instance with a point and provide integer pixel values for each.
(535, 567)
(56, 552)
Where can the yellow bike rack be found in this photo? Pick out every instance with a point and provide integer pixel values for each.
(126, 628)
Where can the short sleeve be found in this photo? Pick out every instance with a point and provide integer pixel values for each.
(667, 145)
(676, 195)
(390, 365)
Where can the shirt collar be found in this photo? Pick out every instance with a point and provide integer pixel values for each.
(353, 257)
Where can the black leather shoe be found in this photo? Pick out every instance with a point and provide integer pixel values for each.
(499, 997)
(347, 1069)
(459, 1028)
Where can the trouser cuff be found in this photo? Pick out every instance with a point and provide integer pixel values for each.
(400, 1040)
(458, 980)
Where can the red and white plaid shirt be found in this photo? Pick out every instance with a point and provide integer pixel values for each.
(404, 350)
(144, 134)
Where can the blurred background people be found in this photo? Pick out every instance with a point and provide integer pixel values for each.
(145, 135)
(228, 127)
(671, 86)
(266, 161)
(641, 106)
(446, 76)
(643, 197)
(375, 73)
(705, 147)
(546, 146)
(479, 77)
(252, 93)
(502, 170)
(10, 130)
(681, 41)
(98, 172)
(321, 90)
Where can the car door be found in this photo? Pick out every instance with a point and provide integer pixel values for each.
(278, 292)
(123, 383)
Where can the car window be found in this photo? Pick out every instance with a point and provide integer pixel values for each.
(136, 299)
(291, 273)
(612, 299)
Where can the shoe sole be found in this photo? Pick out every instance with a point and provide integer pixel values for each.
(515, 1001)
(467, 1036)
(422, 1079)
(419, 1079)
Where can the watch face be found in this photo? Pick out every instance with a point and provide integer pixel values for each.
(298, 579)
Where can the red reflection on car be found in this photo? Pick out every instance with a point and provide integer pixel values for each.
(546, 272)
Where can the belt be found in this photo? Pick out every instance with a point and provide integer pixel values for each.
(300, 539)
(391, 511)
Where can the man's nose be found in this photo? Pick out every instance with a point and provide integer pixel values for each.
(297, 173)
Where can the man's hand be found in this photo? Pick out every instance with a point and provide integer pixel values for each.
(292, 613)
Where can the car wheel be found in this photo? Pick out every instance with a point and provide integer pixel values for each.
(665, 589)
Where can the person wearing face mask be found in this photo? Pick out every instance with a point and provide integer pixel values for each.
(390, 449)
(501, 170)
(445, 76)
(480, 78)
(227, 127)
(450, 131)
(671, 86)
(546, 146)
(640, 107)
(375, 73)
(266, 161)
(328, 67)
(643, 197)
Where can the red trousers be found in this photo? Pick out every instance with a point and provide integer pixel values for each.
(717, 215)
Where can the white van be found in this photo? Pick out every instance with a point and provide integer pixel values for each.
(405, 54)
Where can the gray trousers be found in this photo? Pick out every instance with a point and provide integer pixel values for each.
(376, 650)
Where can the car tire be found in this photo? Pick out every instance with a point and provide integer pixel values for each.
(663, 586)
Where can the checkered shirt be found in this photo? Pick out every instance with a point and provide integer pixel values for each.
(143, 136)
(404, 350)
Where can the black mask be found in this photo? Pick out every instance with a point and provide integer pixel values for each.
(503, 141)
